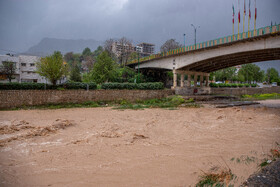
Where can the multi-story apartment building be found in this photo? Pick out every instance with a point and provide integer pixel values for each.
(25, 69)
(146, 49)
(122, 49)
(15, 60)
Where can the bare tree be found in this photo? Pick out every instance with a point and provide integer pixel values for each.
(8, 69)
(121, 48)
(108, 45)
(89, 63)
(126, 49)
(169, 45)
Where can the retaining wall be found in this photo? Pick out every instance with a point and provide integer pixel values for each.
(244, 91)
(17, 98)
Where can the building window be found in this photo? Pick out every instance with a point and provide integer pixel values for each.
(23, 64)
(32, 64)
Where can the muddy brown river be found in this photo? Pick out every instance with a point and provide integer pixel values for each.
(151, 147)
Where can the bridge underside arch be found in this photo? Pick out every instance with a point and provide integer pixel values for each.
(225, 61)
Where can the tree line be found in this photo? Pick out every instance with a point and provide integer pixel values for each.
(248, 73)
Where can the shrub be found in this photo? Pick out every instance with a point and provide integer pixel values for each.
(133, 86)
(241, 85)
(222, 85)
(247, 85)
(253, 85)
(41, 86)
(21, 86)
(234, 85)
(213, 85)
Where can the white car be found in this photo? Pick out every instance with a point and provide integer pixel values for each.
(274, 84)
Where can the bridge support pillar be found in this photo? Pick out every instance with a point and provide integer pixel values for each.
(182, 80)
(189, 80)
(201, 80)
(195, 80)
(174, 79)
(207, 81)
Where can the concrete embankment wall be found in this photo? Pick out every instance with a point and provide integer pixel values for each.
(244, 91)
(17, 98)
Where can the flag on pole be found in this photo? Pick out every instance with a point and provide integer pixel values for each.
(249, 9)
(244, 7)
(238, 11)
(239, 16)
(255, 10)
(233, 13)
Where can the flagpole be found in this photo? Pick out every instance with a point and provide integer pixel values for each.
(249, 17)
(238, 18)
(244, 17)
(233, 13)
(255, 18)
(232, 28)
(248, 25)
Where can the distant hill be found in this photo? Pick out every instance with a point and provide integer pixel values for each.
(48, 45)
(269, 64)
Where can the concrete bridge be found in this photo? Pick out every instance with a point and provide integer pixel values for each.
(201, 59)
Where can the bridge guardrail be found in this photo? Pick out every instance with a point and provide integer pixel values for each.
(227, 39)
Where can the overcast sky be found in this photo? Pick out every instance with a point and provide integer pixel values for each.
(25, 22)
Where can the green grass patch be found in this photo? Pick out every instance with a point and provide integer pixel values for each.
(171, 103)
(88, 104)
(244, 159)
(218, 179)
(261, 96)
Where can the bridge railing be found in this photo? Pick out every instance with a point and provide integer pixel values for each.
(211, 43)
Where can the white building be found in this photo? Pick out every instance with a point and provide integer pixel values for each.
(25, 69)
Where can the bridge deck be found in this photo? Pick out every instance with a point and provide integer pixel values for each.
(220, 41)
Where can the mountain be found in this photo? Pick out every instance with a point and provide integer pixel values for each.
(48, 45)
(269, 64)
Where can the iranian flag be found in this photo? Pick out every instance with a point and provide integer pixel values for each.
(255, 10)
(233, 13)
(249, 9)
(239, 16)
(238, 11)
(244, 7)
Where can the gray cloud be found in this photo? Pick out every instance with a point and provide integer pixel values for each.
(25, 23)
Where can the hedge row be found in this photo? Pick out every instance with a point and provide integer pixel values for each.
(85, 86)
(133, 86)
(42, 86)
(223, 85)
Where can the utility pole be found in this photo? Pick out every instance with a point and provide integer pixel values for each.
(195, 28)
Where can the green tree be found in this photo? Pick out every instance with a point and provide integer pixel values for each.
(52, 67)
(251, 72)
(86, 52)
(75, 74)
(98, 51)
(272, 75)
(225, 74)
(104, 69)
(8, 69)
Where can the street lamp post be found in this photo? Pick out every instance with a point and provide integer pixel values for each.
(195, 34)
(184, 40)
(138, 49)
(138, 69)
